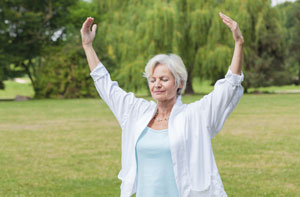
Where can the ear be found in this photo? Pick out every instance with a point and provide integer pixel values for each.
(180, 85)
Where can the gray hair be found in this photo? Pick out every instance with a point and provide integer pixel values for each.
(174, 63)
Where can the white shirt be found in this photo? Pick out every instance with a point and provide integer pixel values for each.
(191, 128)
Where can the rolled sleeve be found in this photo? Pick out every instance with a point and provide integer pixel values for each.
(234, 79)
(219, 104)
(98, 72)
(119, 101)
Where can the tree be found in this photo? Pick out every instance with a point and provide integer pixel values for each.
(3, 64)
(191, 33)
(43, 37)
(130, 34)
(67, 75)
(137, 30)
(30, 27)
(264, 46)
(290, 19)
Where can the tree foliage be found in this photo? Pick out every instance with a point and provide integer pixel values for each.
(290, 20)
(28, 29)
(68, 77)
(43, 38)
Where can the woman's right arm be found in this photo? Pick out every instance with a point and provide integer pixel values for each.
(121, 103)
(87, 36)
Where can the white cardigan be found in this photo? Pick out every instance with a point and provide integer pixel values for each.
(191, 128)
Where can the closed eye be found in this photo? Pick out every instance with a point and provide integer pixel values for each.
(152, 80)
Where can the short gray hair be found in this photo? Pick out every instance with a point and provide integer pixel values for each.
(174, 63)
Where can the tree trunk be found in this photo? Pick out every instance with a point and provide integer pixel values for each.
(2, 86)
(246, 90)
(299, 76)
(189, 87)
(26, 67)
(27, 70)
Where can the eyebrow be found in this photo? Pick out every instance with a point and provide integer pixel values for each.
(159, 77)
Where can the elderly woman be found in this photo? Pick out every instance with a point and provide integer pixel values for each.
(166, 146)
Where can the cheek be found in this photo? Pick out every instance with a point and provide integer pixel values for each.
(171, 86)
(150, 85)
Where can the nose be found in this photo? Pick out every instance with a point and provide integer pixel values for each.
(157, 84)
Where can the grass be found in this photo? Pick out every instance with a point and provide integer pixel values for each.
(12, 89)
(277, 89)
(72, 147)
(55, 148)
(201, 87)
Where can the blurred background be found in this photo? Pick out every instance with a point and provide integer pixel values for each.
(41, 54)
(64, 140)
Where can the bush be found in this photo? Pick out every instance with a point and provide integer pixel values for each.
(65, 74)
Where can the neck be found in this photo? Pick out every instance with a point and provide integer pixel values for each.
(165, 107)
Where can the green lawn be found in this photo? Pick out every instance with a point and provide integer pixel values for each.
(277, 89)
(12, 89)
(201, 87)
(72, 147)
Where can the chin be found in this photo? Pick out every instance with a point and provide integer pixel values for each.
(161, 98)
(158, 97)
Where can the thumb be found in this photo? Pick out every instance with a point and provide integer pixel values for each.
(94, 28)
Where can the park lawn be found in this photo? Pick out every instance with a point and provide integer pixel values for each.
(72, 147)
(277, 89)
(12, 89)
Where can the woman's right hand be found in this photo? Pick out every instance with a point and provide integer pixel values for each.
(88, 35)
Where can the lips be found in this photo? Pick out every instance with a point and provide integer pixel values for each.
(159, 92)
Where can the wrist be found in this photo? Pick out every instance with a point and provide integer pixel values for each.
(239, 42)
(87, 46)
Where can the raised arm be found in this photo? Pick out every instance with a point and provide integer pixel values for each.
(236, 63)
(218, 105)
(87, 37)
(123, 105)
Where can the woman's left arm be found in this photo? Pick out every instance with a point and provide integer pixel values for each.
(219, 104)
(236, 63)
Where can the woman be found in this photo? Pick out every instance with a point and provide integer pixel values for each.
(166, 146)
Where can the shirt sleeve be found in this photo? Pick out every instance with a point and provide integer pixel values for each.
(120, 102)
(219, 104)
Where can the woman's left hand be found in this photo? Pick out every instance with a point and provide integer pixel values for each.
(237, 35)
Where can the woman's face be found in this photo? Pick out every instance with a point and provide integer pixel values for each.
(162, 84)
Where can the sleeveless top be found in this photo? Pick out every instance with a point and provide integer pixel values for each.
(155, 174)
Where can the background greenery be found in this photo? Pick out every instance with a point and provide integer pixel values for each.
(71, 147)
(41, 39)
(201, 87)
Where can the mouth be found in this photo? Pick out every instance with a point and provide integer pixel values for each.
(159, 92)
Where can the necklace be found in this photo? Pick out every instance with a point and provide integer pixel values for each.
(160, 119)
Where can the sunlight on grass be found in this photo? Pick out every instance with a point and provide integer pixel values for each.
(12, 89)
(277, 89)
(72, 147)
(200, 87)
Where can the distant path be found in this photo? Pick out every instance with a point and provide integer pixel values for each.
(286, 91)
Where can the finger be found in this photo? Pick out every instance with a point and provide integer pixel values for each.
(94, 28)
(87, 24)
(224, 17)
(84, 23)
(227, 23)
(230, 25)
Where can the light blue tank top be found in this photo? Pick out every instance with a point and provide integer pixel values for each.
(155, 174)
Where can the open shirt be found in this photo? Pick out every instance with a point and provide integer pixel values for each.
(191, 128)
